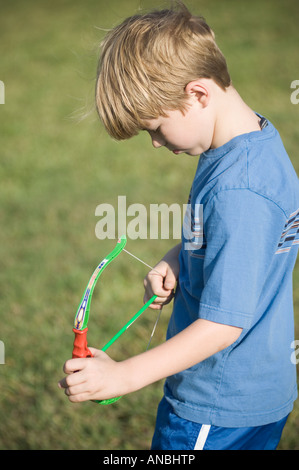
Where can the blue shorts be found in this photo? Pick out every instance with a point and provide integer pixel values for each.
(174, 433)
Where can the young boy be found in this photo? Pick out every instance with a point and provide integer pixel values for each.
(230, 382)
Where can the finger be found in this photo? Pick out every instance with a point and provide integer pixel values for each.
(71, 380)
(160, 291)
(79, 397)
(73, 365)
(76, 390)
(79, 393)
(170, 280)
(62, 383)
(97, 352)
(160, 285)
(153, 306)
(169, 298)
(156, 287)
(159, 301)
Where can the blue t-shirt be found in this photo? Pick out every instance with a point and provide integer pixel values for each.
(237, 270)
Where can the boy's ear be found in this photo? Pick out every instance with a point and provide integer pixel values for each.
(200, 90)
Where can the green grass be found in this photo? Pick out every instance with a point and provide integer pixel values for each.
(55, 171)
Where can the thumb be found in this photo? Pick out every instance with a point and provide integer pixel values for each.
(169, 280)
(97, 352)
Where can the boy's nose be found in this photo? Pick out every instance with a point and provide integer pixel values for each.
(157, 139)
(156, 143)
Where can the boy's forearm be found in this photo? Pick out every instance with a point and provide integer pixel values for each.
(173, 252)
(199, 341)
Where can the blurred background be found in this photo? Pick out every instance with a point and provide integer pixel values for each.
(57, 168)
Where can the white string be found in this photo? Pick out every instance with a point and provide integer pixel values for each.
(154, 329)
(160, 311)
(138, 259)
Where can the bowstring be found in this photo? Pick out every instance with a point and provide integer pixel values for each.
(154, 329)
(141, 261)
(160, 311)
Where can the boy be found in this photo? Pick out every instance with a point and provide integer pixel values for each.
(230, 383)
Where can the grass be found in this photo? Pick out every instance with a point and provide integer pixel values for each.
(55, 171)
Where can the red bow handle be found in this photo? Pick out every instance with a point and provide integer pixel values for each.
(80, 348)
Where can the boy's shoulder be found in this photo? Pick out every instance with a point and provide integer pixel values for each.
(270, 170)
(256, 162)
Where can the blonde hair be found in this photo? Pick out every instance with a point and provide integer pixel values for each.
(146, 63)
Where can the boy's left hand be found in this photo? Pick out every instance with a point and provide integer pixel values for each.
(95, 378)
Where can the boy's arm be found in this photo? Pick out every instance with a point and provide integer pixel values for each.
(101, 377)
(197, 342)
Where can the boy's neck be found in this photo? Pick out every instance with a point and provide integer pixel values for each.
(233, 117)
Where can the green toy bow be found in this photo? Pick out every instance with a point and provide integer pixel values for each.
(80, 329)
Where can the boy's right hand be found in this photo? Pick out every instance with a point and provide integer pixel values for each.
(162, 280)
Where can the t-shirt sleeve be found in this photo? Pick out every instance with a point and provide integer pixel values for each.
(242, 230)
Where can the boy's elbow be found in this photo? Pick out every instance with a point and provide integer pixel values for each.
(232, 334)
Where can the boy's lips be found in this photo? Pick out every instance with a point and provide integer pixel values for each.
(175, 151)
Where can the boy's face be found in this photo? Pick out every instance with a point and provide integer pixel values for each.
(191, 132)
